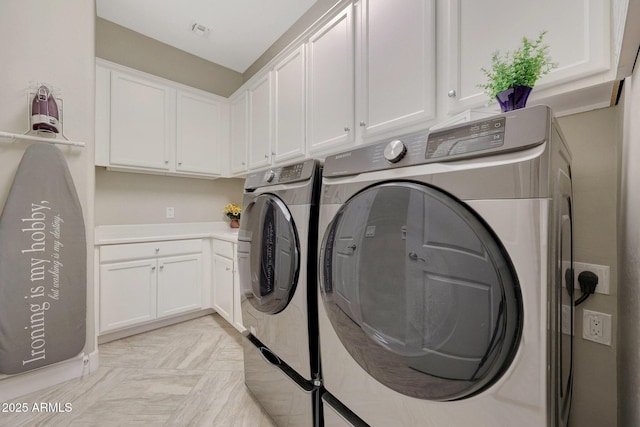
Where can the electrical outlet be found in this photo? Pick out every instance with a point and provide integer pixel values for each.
(602, 271)
(170, 212)
(596, 327)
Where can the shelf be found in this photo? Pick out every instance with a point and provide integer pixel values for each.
(14, 136)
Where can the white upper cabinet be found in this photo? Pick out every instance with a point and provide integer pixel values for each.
(578, 34)
(289, 107)
(239, 133)
(199, 134)
(151, 125)
(396, 67)
(260, 109)
(141, 124)
(330, 74)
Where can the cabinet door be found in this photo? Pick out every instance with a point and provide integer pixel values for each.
(223, 287)
(260, 123)
(289, 106)
(239, 133)
(330, 114)
(179, 284)
(127, 293)
(199, 134)
(397, 59)
(577, 35)
(237, 298)
(141, 122)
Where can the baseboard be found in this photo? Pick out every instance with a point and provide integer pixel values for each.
(116, 335)
(12, 386)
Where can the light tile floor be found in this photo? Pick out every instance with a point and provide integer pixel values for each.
(189, 374)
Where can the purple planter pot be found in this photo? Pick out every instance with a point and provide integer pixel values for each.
(513, 98)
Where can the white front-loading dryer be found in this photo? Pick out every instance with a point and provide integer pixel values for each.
(442, 267)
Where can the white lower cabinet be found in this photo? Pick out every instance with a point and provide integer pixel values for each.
(179, 283)
(226, 294)
(223, 286)
(141, 282)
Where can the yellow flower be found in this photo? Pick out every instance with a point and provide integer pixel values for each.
(233, 211)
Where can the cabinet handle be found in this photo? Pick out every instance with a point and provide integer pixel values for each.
(153, 268)
(346, 129)
(157, 250)
(273, 153)
(243, 164)
(161, 267)
(266, 156)
(166, 162)
(451, 93)
(363, 124)
(227, 268)
(179, 163)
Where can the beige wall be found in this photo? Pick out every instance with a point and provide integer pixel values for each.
(131, 198)
(629, 259)
(123, 46)
(593, 138)
(60, 53)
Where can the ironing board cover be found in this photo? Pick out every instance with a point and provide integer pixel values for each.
(42, 265)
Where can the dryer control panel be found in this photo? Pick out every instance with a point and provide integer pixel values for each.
(512, 131)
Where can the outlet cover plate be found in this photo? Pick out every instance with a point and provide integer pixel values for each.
(602, 271)
(596, 327)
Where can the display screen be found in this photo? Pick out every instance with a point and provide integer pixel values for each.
(479, 136)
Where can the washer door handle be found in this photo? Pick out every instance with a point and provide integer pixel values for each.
(414, 257)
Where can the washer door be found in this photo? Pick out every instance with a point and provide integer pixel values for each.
(420, 291)
(274, 254)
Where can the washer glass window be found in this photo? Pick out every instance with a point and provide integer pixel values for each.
(420, 291)
(274, 254)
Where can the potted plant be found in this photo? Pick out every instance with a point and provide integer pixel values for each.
(512, 76)
(233, 211)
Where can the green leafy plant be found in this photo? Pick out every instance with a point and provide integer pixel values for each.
(522, 67)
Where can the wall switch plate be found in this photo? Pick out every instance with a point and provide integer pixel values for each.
(596, 327)
(602, 271)
(170, 212)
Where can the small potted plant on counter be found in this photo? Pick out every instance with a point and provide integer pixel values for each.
(233, 211)
(512, 76)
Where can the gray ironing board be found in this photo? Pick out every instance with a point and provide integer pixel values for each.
(43, 277)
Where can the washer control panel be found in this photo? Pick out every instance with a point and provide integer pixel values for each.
(281, 175)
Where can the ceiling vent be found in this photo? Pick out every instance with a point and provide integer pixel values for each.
(200, 30)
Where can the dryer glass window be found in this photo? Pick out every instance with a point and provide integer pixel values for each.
(269, 240)
(420, 291)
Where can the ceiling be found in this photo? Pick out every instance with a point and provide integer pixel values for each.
(240, 30)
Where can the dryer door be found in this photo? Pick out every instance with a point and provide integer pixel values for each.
(420, 291)
(269, 246)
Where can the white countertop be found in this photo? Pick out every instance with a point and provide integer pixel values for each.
(134, 233)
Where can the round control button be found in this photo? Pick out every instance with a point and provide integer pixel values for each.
(395, 151)
(269, 175)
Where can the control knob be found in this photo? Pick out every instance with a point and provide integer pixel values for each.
(395, 151)
(269, 175)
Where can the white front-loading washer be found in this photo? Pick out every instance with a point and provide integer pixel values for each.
(277, 246)
(445, 261)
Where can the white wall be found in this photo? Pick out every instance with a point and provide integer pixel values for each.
(629, 262)
(50, 41)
